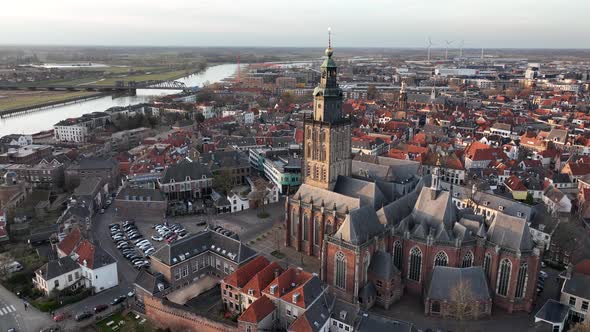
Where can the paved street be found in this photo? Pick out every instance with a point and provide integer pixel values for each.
(13, 314)
(101, 236)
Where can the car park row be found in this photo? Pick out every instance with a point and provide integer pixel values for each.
(130, 242)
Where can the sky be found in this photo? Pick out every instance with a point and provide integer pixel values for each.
(301, 23)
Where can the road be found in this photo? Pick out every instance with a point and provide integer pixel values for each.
(101, 237)
(14, 315)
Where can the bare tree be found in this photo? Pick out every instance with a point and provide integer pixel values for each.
(223, 181)
(259, 193)
(461, 306)
(580, 327)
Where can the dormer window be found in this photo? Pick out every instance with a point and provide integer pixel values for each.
(519, 214)
(501, 208)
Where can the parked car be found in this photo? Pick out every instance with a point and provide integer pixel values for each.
(149, 251)
(157, 238)
(543, 274)
(59, 317)
(83, 315)
(100, 308)
(118, 300)
(131, 293)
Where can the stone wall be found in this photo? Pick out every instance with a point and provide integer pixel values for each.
(168, 315)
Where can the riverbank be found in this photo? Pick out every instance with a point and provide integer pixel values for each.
(43, 119)
(30, 104)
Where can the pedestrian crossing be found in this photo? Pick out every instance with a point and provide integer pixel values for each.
(7, 310)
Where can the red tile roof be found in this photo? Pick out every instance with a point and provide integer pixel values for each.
(262, 279)
(258, 310)
(286, 279)
(243, 274)
(514, 183)
(69, 242)
(583, 267)
(301, 324)
(85, 251)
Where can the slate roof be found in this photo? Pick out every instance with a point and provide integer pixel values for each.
(384, 168)
(444, 278)
(491, 201)
(372, 322)
(94, 163)
(128, 193)
(149, 282)
(180, 171)
(88, 186)
(382, 265)
(58, 267)
(553, 312)
(368, 192)
(510, 232)
(170, 254)
(306, 192)
(359, 225)
(578, 285)
(434, 210)
(315, 317)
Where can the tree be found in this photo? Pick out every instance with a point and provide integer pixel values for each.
(223, 181)
(372, 92)
(529, 199)
(199, 117)
(462, 301)
(580, 327)
(287, 98)
(259, 193)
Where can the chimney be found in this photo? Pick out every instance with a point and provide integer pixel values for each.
(276, 273)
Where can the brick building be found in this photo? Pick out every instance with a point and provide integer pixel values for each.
(355, 216)
(29, 154)
(138, 203)
(43, 175)
(105, 168)
(186, 180)
(205, 253)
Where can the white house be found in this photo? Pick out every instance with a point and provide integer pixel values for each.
(60, 274)
(556, 201)
(238, 203)
(96, 268)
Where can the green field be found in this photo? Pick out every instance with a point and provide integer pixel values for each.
(17, 99)
(166, 75)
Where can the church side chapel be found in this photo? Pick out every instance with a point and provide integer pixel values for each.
(379, 230)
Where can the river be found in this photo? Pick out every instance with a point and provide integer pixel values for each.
(40, 120)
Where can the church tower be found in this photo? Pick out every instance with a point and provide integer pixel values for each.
(403, 98)
(327, 139)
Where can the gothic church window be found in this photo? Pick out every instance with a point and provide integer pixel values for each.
(467, 260)
(504, 277)
(340, 275)
(487, 262)
(441, 259)
(397, 254)
(415, 264)
(521, 281)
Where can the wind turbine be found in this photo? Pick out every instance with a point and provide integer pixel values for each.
(461, 48)
(430, 44)
(448, 43)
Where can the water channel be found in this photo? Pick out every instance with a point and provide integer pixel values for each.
(44, 119)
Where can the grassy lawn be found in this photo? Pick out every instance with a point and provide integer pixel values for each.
(16, 99)
(131, 324)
